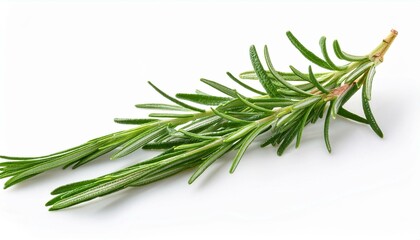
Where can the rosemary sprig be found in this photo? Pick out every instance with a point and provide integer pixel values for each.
(193, 137)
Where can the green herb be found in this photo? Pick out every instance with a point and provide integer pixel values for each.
(192, 137)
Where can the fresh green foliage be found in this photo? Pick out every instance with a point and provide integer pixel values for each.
(193, 137)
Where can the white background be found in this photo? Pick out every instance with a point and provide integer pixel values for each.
(67, 69)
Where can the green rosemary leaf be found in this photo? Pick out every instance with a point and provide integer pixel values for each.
(192, 145)
(210, 160)
(46, 157)
(327, 127)
(245, 114)
(368, 83)
(10, 169)
(289, 93)
(12, 172)
(162, 106)
(292, 76)
(345, 56)
(68, 165)
(163, 173)
(44, 166)
(288, 138)
(293, 121)
(286, 117)
(69, 190)
(241, 132)
(323, 45)
(277, 100)
(359, 71)
(302, 125)
(113, 143)
(220, 132)
(250, 75)
(139, 141)
(271, 105)
(253, 106)
(136, 121)
(315, 82)
(174, 100)
(197, 136)
(15, 165)
(70, 186)
(15, 181)
(83, 191)
(271, 139)
(338, 103)
(256, 117)
(245, 144)
(72, 191)
(335, 105)
(96, 191)
(349, 93)
(246, 86)
(202, 123)
(321, 113)
(168, 153)
(299, 74)
(92, 157)
(347, 114)
(170, 115)
(308, 54)
(288, 76)
(203, 99)
(8, 172)
(369, 116)
(306, 102)
(228, 117)
(306, 86)
(280, 78)
(168, 144)
(234, 105)
(219, 87)
(187, 162)
(259, 70)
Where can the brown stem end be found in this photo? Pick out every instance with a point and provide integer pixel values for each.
(378, 54)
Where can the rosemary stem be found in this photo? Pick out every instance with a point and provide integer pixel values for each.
(377, 55)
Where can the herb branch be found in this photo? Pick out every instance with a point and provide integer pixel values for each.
(192, 137)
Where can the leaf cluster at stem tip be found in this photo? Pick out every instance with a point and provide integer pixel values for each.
(194, 130)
